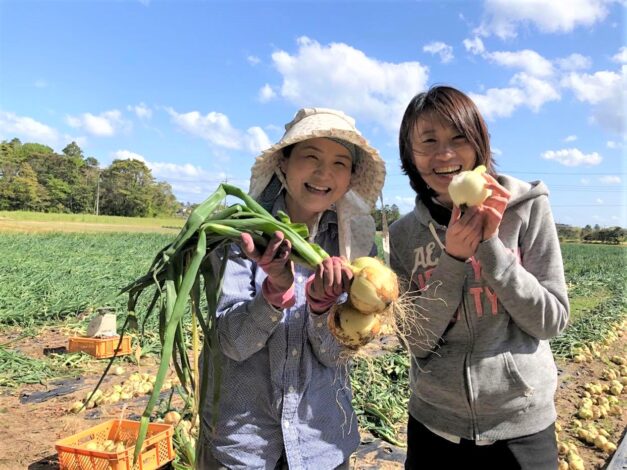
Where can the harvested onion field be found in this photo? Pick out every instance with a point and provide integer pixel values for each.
(50, 283)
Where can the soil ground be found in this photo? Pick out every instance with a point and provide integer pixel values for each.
(29, 430)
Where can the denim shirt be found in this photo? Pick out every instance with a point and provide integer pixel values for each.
(284, 387)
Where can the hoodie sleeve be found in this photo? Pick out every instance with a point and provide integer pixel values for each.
(245, 318)
(532, 291)
(430, 310)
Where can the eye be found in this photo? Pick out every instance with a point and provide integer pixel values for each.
(341, 163)
(460, 138)
(429, 140)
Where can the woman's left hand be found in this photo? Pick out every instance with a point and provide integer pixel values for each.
(493, 207)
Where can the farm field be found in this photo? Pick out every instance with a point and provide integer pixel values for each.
(50, 282)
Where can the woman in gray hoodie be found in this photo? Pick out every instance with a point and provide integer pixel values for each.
(489, 293)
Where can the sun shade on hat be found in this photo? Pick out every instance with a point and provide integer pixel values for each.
(356, 227)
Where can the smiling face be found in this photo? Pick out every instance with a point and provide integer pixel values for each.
(440, 151)
(318, 173)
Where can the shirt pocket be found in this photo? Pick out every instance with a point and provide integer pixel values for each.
(498, 386)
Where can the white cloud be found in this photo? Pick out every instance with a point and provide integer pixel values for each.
(474, 45)
(141, 111)
(570, 138)
(40, 83)
(105, 124)
(257, 140)
(26, 128)
(340, 76)
(574, 62)
(503, 17)
(439, 48)
(620, 56)
(611, 144)
(572, 157)
(605, 91)
(216, 129)
(498, 102)
(537, 91)
(266, 93)
(527, 60)
(610, 179)
(496, 151)
(599, 201)
(253, 60)
(585, 181)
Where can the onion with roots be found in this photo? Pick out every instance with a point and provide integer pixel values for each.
(371, 297)
(351, 327)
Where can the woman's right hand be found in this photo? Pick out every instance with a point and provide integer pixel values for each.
(464, 233)
(275, 259)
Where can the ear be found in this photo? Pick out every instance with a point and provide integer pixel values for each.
(283, 164)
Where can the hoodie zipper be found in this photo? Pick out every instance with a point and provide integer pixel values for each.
(470, 398)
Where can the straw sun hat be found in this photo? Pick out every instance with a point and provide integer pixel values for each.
(356, 226)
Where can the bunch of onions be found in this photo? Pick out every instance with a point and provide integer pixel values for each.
(372, 294)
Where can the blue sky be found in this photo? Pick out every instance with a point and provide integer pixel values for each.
(197, 89)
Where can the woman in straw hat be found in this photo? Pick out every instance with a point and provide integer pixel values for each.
(285, 396)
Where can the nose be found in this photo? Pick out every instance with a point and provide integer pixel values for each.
(444, 150)
(323, 168)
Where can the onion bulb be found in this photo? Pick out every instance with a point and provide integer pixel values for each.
(374, 286)
(352, 327)
(468, 187)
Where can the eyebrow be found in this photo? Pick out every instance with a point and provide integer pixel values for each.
(341, 155)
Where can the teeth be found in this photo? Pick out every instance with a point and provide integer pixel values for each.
(318, 188)
(447, 169)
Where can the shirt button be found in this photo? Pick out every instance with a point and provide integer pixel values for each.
(322, 350)
(299, 279)
(294, 352)
(292, 389)
(259, 345)
(297, 315)
(286, 424)
(274, 318)
(319, 324)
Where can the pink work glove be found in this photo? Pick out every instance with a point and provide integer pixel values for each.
(331, 279)
(278, 286)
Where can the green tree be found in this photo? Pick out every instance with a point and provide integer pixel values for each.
(125, 189)
(22, 191)
(392, 213)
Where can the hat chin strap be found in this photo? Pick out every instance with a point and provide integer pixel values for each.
(356, 226)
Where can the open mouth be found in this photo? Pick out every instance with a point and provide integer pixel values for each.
(447, 170)
(317, 189)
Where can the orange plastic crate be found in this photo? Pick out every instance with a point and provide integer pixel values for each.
(100, 347)
(156, 451)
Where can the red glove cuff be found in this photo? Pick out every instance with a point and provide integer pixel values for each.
(279, 298)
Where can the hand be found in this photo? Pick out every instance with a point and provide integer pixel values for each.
(278, 287)
(331, 279)
(464, 233)
(493, 207)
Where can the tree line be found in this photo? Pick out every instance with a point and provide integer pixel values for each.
(35, 178)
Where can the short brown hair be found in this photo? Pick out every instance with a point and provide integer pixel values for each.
(450, 105)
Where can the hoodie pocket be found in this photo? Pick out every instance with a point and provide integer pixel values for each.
(498, 386)
(439, 382)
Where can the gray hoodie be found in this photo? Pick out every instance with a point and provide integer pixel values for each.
(481, 363)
